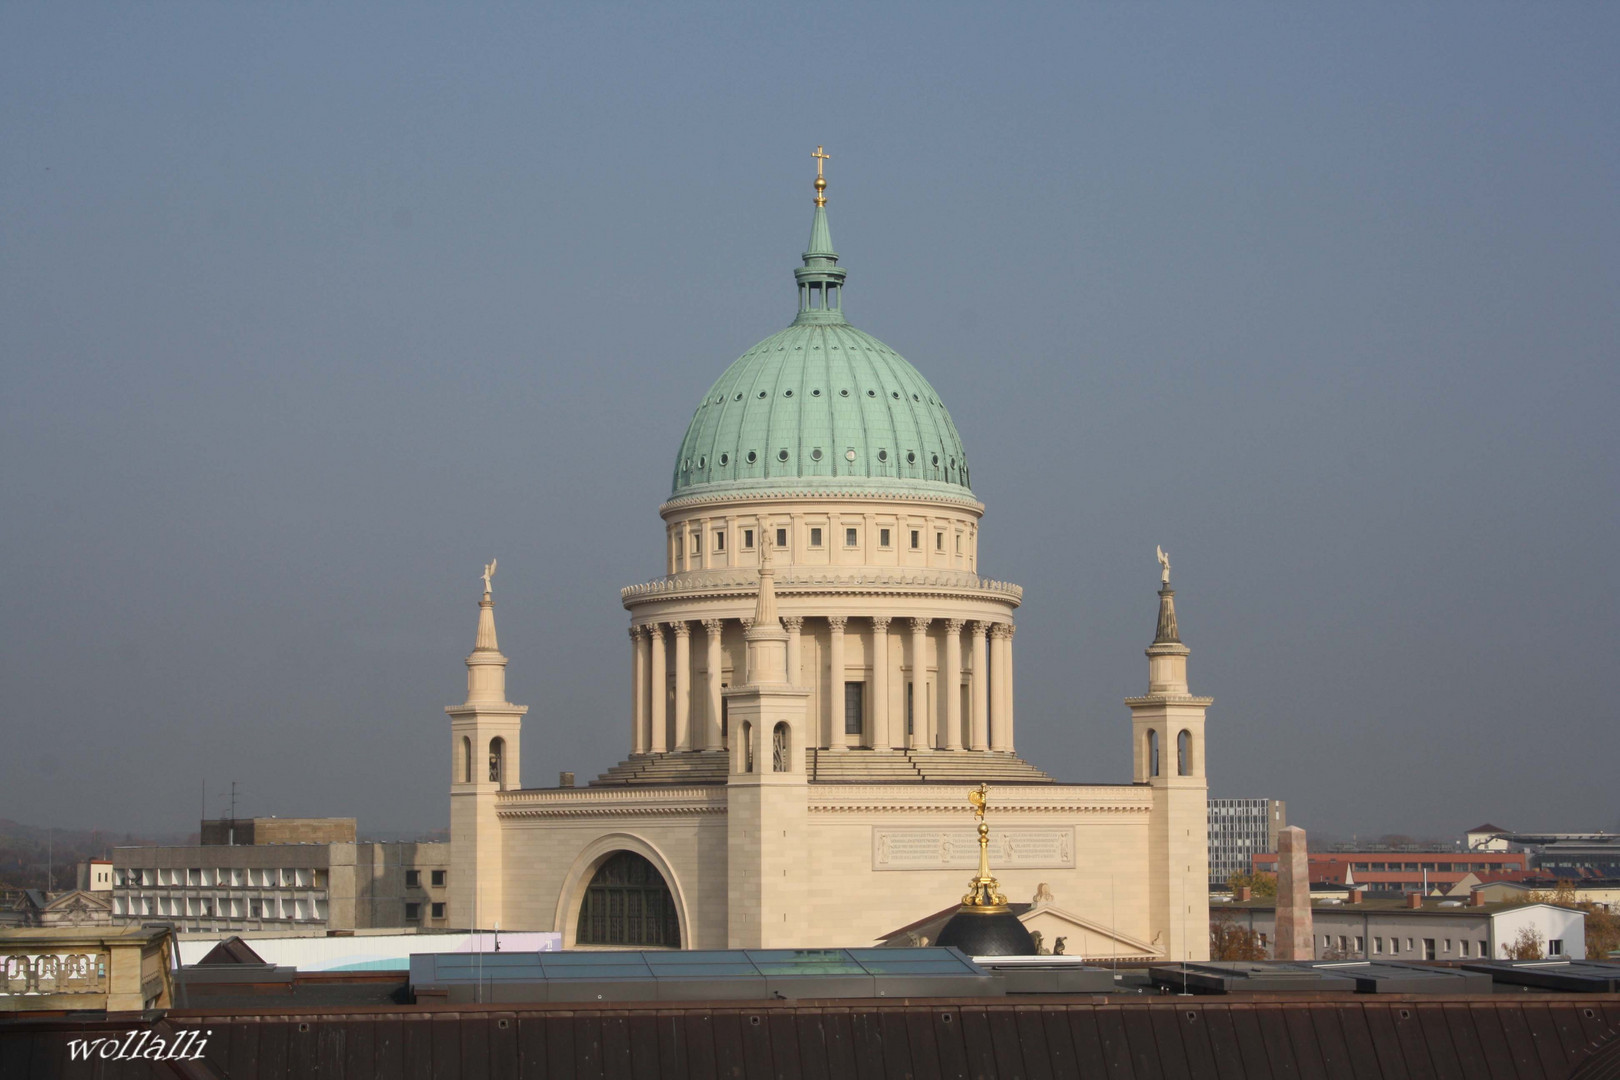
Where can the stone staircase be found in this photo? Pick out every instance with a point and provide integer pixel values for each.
(837, 767)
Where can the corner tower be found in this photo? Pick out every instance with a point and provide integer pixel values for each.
(1167, 729)
(484, 753)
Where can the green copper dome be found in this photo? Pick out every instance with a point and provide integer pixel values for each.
(821, 406)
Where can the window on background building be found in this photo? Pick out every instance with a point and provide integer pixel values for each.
(883, 538)
(748, 539)
(438, 878)
(413, 879)
(1263, 943)
(438, 910)
(413, 912)
(851, 537)
(916, 539)
(1464, 944)
(1428, 948)
(1378, 946)
(815, 538)
(1344, 943)
(1484, 949)
(719, 540)
(1448, 944)
(1361, 944)
(1410, 945)
(1555, 947)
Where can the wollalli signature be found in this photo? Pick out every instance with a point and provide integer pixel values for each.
(146, 1045)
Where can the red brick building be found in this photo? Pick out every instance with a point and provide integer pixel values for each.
(1405, 871)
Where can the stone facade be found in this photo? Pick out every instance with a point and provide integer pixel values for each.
(816, 681)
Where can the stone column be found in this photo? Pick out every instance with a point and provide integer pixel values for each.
(881, 739)
(998, 686)
(683, 685)
(794, 625)
(1010, 741)
(836, 740)
(981, 687)
(638, 691)
(950, 685)
(715, 668)
(1296, 937)
(657, 690)
(919, 685)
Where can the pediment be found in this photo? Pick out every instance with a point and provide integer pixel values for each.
(1084, 937)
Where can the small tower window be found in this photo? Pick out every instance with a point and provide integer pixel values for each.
(780, 749)
(497, 761)
(1153, 751)
(466, 759)
(1184, 753)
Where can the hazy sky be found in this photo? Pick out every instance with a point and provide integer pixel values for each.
(308, 310)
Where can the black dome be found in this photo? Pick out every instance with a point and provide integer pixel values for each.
(987, 933)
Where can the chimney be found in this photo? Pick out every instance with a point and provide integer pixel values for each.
(565, 779)
(1414, 900)
(1357, 896)
(1244, 892)
(1476, 898)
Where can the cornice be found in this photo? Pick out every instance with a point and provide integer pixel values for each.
(631, 801)
(1169, 699)
(743, 582)
(791, 488)
(945, 799)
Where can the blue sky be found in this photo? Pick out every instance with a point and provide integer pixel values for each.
(306, 311)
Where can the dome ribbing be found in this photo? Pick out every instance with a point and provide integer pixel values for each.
(821, 406)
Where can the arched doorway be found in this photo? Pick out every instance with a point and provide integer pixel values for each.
(628, 903)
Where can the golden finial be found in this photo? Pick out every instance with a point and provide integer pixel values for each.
(821, 181)
(984, 891)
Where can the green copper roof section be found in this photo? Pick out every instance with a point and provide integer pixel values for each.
(821, 405)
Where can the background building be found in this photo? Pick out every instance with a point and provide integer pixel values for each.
(1415, 928)
(1239, 829)
(1391, 870)
(280, 874)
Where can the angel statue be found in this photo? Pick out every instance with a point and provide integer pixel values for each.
(489, 572)
(977, 798)
(1164, 565)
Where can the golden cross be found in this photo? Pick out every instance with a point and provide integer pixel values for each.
(821, 181)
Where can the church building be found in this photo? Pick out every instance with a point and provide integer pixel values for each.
(816, 679)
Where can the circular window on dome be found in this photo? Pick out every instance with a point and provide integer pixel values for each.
(720, 400)
(738, 397)
(752, 457)
(843, 393)
(763, 394)
(914, 397)
(849, 455)
(953, 463)
(895, 394)
(787, 393)
(911, 457)
(687, 464)
(703, 463)
(781, 455)
(871, 393)
(936, 460)
(883, 455)
(725, 459)
(815, 393)
(815, 455)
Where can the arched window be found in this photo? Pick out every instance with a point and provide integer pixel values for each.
(748, 746)
(466, 759)
(1184, 753)
(780, 761)
(497, 761)
(627, 903)
(1153, 751)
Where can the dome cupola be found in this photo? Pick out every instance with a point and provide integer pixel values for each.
(821, 407)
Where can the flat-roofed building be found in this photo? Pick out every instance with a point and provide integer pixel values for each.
(1240, 829)
(281, 874)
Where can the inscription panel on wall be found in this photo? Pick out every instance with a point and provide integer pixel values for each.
(952, 849)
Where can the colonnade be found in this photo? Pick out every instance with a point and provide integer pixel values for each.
(661, 722)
